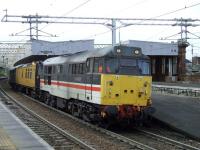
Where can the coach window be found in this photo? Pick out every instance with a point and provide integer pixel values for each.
(53, 69)
(69, 69)
(77, 68)
(84, 68)
(26, 73)
(80, 68)
(49, 69)
(30, 74)
(45, 69)
(73, 68)
(89, 65)
(60, 68)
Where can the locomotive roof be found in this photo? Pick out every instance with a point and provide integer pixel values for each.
(81, 56)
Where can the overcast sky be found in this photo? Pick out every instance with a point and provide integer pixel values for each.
(102, 8)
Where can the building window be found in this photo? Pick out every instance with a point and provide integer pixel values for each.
(163, 65)
(153, 66)
(174, 65)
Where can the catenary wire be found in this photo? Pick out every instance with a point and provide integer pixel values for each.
(171, 12)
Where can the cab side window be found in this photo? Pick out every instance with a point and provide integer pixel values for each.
(98, 65)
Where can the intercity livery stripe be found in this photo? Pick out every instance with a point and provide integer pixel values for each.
(76, 86)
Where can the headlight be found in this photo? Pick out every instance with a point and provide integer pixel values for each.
(136, 51)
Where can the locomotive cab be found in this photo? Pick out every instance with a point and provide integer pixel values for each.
(125, 82)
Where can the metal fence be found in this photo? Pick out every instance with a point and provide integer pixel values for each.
(177, 90)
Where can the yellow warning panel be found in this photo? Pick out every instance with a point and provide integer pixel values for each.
(5, 141)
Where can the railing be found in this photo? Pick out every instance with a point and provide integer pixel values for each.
(176, 90)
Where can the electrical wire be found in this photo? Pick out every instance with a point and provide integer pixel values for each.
(70, 11)
(75, 8)
(130, 6)
(171, 12)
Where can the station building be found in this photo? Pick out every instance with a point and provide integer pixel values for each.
(196, 60)
(41, 50)
(167, 59)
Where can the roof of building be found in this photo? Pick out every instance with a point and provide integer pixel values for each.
(32, 58)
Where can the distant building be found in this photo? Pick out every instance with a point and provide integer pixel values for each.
(167, 59)
(40, 50)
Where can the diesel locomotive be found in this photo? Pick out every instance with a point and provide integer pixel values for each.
(108, 85)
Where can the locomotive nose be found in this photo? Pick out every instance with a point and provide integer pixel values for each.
(124, 89)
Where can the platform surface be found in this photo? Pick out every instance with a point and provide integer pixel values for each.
(15, 135)
(179, 112)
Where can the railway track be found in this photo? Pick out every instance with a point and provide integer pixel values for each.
(53, 135)
(158, 141)
(170, 141)
(91, 136)
(139, 139)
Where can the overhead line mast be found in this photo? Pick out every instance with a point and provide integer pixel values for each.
(108, 22)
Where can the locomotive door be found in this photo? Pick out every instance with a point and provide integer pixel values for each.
(88, 79)
(37, 76)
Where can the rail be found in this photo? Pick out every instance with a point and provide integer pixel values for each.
(177, 143)
(47, 124)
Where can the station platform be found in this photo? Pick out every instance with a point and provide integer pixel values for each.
(180, 84)
(182, 89)
(15, 135)
(179, 112)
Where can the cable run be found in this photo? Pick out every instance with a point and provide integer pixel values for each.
(180, 9)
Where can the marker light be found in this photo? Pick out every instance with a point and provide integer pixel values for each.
(118, 50)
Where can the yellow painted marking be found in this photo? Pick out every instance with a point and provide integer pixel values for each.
(5, 141)
(124, 89)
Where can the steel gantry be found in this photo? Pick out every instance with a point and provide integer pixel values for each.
(112, 23)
